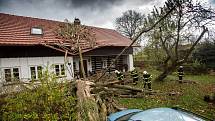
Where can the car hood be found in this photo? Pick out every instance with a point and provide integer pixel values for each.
(116, 115)
(163, 114)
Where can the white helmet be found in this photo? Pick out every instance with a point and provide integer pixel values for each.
(116, 71)
(180, 66)
(145, 72)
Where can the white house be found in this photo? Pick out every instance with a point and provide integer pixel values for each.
(23, 55)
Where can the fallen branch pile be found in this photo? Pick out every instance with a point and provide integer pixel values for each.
(96, 99)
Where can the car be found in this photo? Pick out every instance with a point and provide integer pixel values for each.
(156, 114)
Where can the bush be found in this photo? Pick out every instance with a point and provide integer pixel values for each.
(50, 101)
(195, 68)
(205, 54)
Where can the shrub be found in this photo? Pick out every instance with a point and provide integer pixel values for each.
(50, 101)
(195, 68)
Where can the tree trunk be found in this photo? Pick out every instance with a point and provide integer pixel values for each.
(166, 72)
(87, 106)
(81, 60)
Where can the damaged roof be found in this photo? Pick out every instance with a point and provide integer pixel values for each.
(16, 31)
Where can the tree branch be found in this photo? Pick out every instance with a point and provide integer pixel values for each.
(136, 38)
(178, 32)
(195, 43)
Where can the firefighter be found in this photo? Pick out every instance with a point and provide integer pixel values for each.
(147, 80)
(135, 76)
(119, 75)
(180, 73)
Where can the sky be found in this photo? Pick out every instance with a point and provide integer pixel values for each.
(100, 13)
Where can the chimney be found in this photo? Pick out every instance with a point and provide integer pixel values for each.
(77, 21)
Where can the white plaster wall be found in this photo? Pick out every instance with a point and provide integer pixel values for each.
(130, 62)
(25, 63)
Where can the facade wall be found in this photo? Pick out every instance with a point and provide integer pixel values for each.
(130, 62)
(26, 57)
(24, 64)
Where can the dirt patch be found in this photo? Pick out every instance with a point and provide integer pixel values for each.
(209, 88)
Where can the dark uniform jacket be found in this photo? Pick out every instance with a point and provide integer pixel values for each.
(134, 74)
(180, 72)
(146, 77)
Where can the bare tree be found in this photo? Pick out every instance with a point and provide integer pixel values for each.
(74, 39)
(129, 23)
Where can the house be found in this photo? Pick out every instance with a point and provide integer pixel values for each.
(23, 55)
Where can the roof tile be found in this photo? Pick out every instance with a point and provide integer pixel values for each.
(15, 30)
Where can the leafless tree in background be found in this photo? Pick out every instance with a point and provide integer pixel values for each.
(129, 23)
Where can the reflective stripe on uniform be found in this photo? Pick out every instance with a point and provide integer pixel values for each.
(120, 77)
(180, 73)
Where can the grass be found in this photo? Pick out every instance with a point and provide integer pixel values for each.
(190, 95)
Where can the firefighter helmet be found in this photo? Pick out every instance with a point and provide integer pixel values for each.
(145, 72)
(116, 71)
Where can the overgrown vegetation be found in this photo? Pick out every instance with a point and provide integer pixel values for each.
(51, 101)
(205, 54)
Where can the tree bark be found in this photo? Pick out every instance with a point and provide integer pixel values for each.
(166, 72)
(87, 106)
(81, 60)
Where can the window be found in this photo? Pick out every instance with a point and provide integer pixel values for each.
(104, 64)
(74, 66)
(7, 74)
(39, 71)
(16, 73)
(57, 70)
(37, 31)
(11, 74)
(36, 72)
(60, 70)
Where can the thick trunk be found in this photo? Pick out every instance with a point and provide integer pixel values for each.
(87, 106)
(81, 60)
(82, 64)
(166, 72)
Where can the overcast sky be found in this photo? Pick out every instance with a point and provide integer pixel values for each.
(100, 13)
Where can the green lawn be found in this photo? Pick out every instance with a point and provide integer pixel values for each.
(190, 95)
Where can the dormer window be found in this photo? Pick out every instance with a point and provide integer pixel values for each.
(36, 31)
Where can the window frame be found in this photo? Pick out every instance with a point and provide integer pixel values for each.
(104, 64)
(37, 73)
(12, 73)
(60, 70)
(36, 28)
